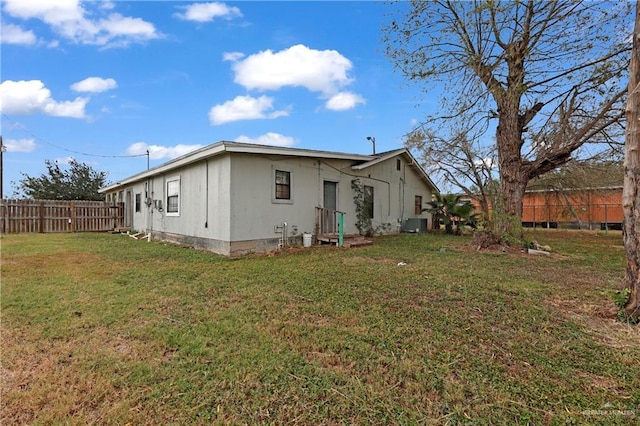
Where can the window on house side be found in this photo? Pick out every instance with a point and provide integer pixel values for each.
(173, 197)
(138, 203)
(283, 185)
(418, 205)
(368, 201)
(398, 163)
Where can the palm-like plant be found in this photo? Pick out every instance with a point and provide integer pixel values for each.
(451, 209)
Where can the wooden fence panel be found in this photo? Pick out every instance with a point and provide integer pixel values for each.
(44, 216)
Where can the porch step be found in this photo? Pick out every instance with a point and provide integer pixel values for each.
(357, 241)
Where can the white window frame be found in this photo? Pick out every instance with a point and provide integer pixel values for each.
(178, 194)
(275, 200)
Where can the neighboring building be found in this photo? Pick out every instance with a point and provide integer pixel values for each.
(575, 208)
(581, 208)
(234, 198)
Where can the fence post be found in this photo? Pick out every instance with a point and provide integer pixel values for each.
(41, 215)
(340, 229)
(72, 215)
(4, 211)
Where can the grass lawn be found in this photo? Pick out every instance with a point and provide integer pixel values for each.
(104, 329)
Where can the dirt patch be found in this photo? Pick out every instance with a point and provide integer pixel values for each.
(331, 361)
(50, 377)
(599, 321)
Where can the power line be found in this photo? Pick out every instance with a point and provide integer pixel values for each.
(20, 126)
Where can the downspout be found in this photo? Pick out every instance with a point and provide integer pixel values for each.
(164, 197)
(320, 186)
(206, 192)
(149, 208)
(404, 185)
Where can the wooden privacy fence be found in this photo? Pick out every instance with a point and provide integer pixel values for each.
(22, 216)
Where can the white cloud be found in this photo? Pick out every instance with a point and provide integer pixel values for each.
(270, 138)
(343, 101)
(244, 108)
(487, 163)
(53, 12)
(13, 34)
(324, 71)
(94, 85)
(70, 20)
(157, 152)
(207, 12)
(116, 24)
(31, 97)
(107, 5)
(19, 145)
(232, 56)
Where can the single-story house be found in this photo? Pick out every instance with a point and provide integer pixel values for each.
(235, 198)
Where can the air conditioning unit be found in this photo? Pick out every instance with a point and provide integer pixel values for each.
(416, 225)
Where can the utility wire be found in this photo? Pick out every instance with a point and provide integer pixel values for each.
(20, 126)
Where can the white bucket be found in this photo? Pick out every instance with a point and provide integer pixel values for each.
(306, 240)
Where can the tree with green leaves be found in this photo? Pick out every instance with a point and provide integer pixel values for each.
(78, 181)
(548, 74)
(452, 210)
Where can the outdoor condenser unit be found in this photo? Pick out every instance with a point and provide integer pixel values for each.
(415, 224)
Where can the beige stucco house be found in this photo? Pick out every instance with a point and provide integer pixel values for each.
(234, 198)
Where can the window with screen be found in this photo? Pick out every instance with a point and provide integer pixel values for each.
(283, 185)
(368, 201)
(173, 197)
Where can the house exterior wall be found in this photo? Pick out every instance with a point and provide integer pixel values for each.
(227, 202)
(255, 212)
(203, 218)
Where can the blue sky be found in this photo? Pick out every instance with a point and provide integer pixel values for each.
(116, 78)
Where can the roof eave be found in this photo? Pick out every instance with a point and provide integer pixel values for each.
(411, 161)
(236, 147)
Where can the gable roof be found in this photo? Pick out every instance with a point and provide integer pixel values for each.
(403, 152)
(219, 148)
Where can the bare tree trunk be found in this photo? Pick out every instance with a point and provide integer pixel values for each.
(513, 177)
(631, 190)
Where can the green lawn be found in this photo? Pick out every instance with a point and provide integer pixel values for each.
(105, 329)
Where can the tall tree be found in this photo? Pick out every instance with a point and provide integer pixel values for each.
(77, 182)
(631, 187)
(548, 72)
